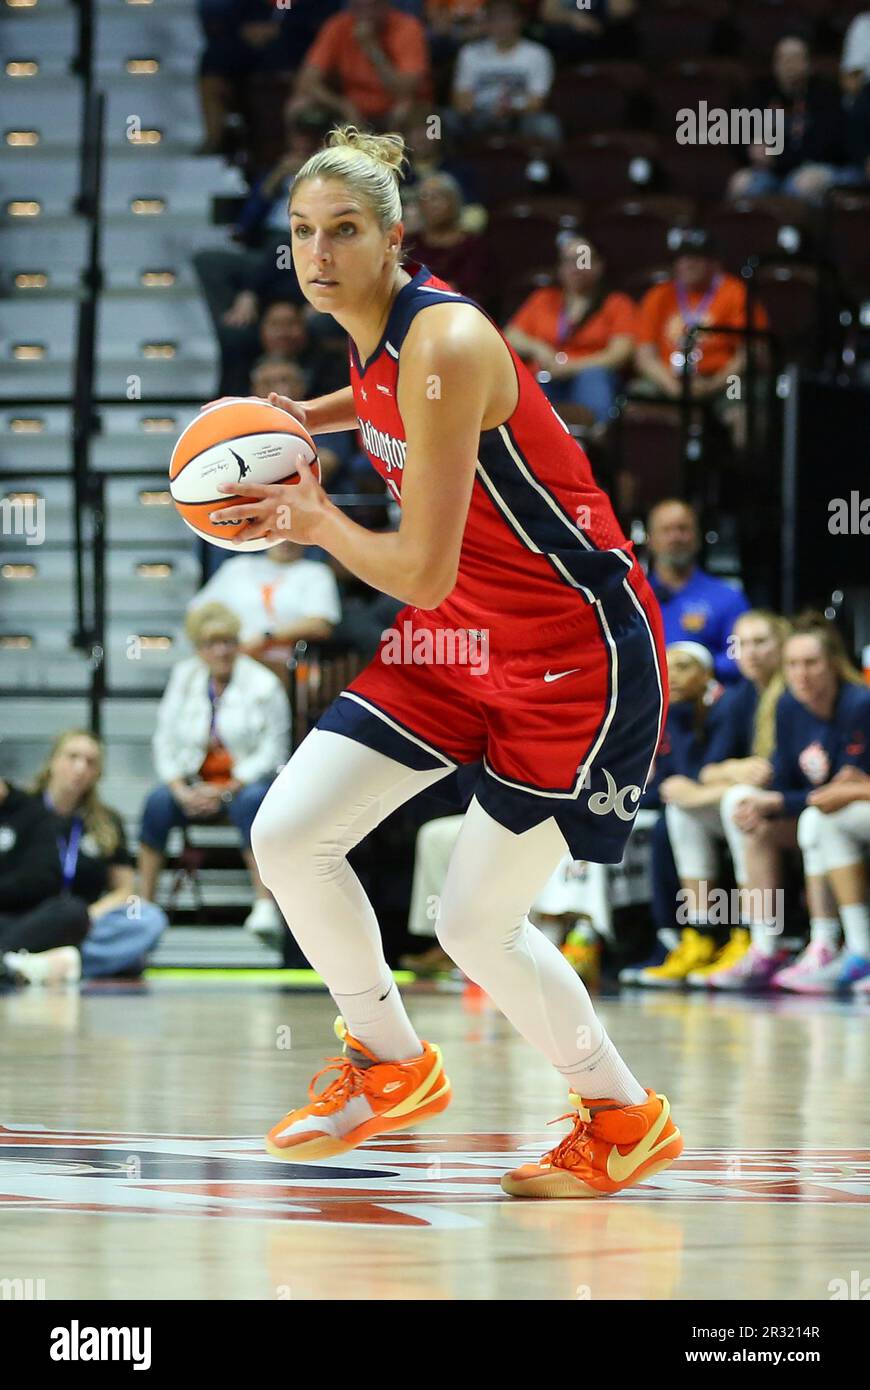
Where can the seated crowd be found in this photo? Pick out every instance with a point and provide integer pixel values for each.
(776, 761)
(448, 74)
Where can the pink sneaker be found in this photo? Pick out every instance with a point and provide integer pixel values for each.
(753, 971)
(797, 976)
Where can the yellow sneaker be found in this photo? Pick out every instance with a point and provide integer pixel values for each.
(695, 950)
(582, 951)
(734, 949)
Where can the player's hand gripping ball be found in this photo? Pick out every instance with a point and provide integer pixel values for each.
(232, 467)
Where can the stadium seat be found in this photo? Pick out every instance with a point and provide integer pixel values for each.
(51, 181)
(150, 578)
(52, 248)
(635, 230)
(37, 344)
(183, 185)
(762, 23)
(508, 170)
(849, 238)
(685, 84)
(648, 462)
(262, 99)
(518, 289)
(157, 103)
(635, 283)
(606, 166)
(49, 106)
(34, 438)
(681, 31)
(759, 226)
(697, 171)
(586, 99)
(140, 510)
(168, 32)
(55, 499)
(520, 238)
(790, 294)
(47, 38)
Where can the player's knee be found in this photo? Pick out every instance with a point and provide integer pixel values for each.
(731, 800)
(277, 838)
(809, 828)
(454, 929)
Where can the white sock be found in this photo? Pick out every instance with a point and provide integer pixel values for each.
(765, 937)
(377, 1018)
(603, 1075)
(825, 930)
(856, 928)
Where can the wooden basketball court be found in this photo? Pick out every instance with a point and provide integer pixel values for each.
(131, 1163)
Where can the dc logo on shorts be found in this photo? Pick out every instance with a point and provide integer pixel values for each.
(613, 800)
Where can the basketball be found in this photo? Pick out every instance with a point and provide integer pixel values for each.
(238, 440)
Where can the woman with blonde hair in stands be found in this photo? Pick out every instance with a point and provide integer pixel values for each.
(822, 741)
(740, 750)
(98, 925)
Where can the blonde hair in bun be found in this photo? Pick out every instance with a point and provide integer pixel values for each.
(369, 165)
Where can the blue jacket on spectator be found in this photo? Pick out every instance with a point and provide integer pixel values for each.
(809, 750)
(735, 723)
(683, 749)
(704, 611)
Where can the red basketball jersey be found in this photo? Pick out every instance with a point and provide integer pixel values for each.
(541, 538)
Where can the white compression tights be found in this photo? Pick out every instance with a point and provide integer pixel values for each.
(331, 794)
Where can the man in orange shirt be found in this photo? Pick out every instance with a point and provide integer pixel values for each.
(367, 65)
(699, 292)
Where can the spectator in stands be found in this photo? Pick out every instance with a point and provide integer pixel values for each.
(222, 733)
(813, 157)
(450, 24)
(842, 831)
(35, 916)
(379, 59)
(822, 736)
(81, 915)
(502, 82)
(855, 86)
(282, 331)
(596, 29)
(278, 596)
(246, 37)
(855, 60)
(695, 606)
(237, 280)
(739, 749)
(577, 332)
(454, 255)
(431, 150)
(698, 293)
(694, 693)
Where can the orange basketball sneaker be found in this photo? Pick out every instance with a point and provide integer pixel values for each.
(611, 1146)
(360, 1102)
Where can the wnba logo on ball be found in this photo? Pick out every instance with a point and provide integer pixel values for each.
(442, 646)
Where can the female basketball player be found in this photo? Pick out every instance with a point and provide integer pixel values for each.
(530, 643)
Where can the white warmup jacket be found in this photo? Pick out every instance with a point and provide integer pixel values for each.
(252, 721)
